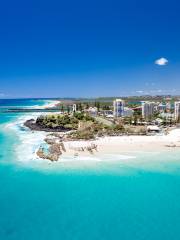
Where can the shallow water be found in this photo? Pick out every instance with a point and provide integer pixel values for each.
(119, 198)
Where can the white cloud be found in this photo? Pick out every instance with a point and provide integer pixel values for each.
(155, 91)
(161, 61)
(139, 91)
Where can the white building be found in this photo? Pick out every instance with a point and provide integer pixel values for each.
(177, 111)
(147, 109)
(93, 111)
(118, 108)
(74, 107)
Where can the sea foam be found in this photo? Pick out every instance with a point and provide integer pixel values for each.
(27, 140)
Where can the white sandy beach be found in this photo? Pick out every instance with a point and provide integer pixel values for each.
(126, 144)
(49, 104)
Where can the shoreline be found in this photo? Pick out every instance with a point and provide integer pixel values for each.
(27, 141)
(127, 146)
(115, 145)
(51, 104)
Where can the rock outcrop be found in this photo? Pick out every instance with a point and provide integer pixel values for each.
(54, 151)
(34, 126)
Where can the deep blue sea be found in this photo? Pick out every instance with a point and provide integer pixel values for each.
(124, 200)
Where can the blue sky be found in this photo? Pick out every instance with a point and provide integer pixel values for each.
(89, 48)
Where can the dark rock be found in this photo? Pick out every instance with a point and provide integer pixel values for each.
(35, 126)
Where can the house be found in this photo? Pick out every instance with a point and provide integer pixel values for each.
(153, 129)
(92, 111)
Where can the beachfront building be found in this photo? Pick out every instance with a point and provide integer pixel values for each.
(147, 109)
(118, 105)
(177, 111)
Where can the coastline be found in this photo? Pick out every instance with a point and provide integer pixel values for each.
(125, 146)
(50, 104)
(26, 141)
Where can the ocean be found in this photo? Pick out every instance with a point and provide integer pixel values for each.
(119, 198)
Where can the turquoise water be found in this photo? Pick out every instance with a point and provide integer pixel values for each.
(111, 200)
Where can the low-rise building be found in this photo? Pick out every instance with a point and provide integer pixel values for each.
(92, 111)
(153, 129)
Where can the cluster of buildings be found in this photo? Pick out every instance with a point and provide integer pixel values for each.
(148, 109)
(120, 110)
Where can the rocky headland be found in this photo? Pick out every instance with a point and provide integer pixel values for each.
(75, 127)
(33, 125)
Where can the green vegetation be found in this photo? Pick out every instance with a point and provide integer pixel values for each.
(96, 129)
(57, 121)
(64, 122)
(84, 126)
(83, 116)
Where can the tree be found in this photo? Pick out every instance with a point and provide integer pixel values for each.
(68, 109)
(98, 106)
(62, 108)
(80, 107)
(106, 107)
(135, 119)
(87, 106)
